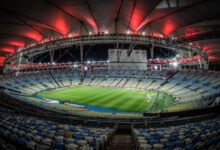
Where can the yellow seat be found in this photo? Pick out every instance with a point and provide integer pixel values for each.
(68, 134)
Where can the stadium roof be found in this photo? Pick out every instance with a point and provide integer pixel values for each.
(25, 22)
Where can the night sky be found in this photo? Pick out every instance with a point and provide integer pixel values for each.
(98, 52)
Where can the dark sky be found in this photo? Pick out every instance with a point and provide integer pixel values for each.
(96, 52)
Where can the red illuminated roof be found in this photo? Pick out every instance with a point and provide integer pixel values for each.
(26, 22)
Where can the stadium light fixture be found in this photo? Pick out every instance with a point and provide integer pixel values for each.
(70, 35)
(128, 32)
(88, 62)
(175, 64)
(85, 68)
(143, 33)
(90, 33)
(107, 61)
(75, 65)
(106, 32)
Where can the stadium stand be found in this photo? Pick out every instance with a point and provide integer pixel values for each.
(202, 135)
(187, 87)
(41, 134)
(32, 126)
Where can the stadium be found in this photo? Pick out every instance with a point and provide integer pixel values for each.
(110, 74)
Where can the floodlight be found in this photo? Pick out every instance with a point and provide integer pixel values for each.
(175, 64)
(106, 32)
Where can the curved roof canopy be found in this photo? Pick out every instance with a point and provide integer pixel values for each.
(24, 22)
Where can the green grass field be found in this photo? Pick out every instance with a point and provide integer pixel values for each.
(132, 100)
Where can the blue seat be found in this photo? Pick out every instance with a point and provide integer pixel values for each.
(169, 145)
(180, 143)
(58, 145)
(21, 140)
(93, 144)
(153, 141)
(78, 137)
(189, 147)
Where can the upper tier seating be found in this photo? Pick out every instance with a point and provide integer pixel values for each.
(185, 86)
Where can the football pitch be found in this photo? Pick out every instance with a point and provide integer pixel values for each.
(130, 100)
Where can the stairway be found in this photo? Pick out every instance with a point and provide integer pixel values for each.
(122, 140)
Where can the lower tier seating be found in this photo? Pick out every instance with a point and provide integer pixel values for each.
(201, 135)
(40, 134)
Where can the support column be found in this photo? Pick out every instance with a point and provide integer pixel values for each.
(152, 51)
(81, 53)
(206, 61)
(200, 64)
(20, 60)
(190, 56)
(117, 48)
(51, 56)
